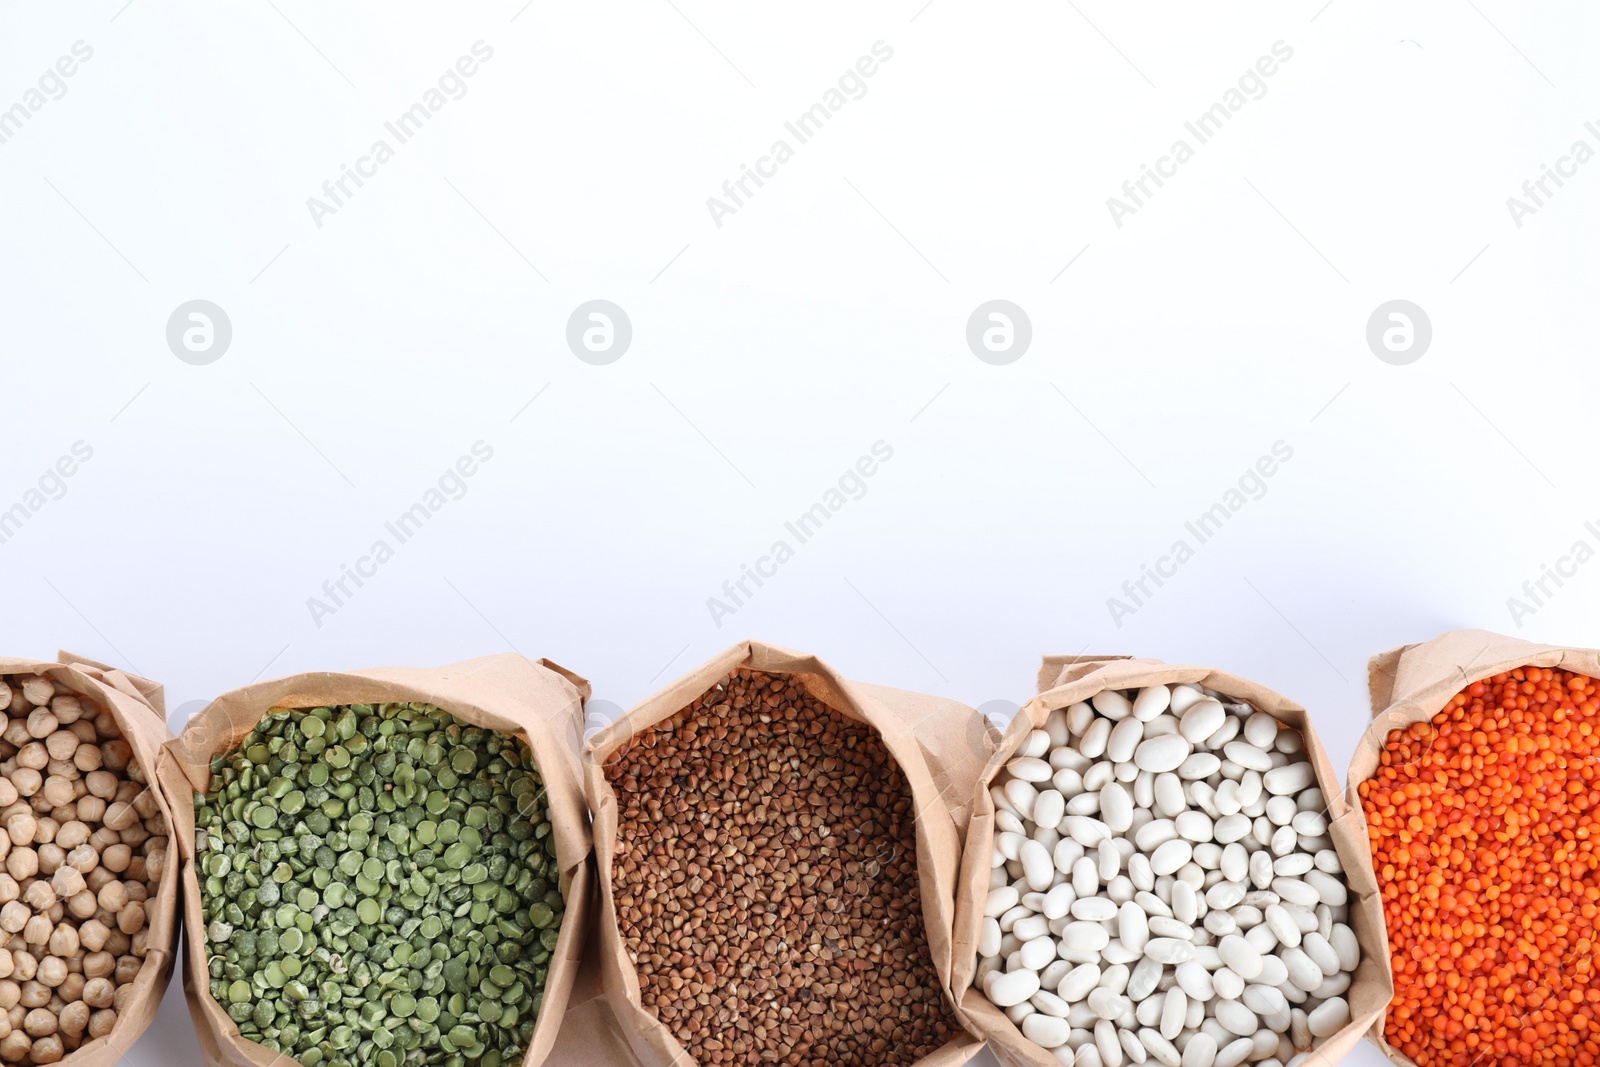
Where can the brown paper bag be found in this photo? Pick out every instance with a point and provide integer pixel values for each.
(1413, 683)
(539, 702)
(940, 746)
(140, 711)
(1066, 680)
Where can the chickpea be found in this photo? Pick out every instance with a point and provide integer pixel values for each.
(27, 965)
(22, 863)
(102, 784)
(118, 943)
(21, 829)
(92, 934)
(82, 904)
(84, 858)
(37, 931)
(14, 916)
(90, 808)
(35, 757)
(15, 1046)
(128, 968)
(131, 919)
(42, 722)
(58, 790)
(74, 1018)
(97, 992)
(51, 857)
(71, 988)
(101, 1022)
(120, 815)
(35, 995)
(47, 1049)
(38, 689)
(10, 994)
(113, 896)
(68, 708)
(117, 752)
(52, 971)
(39, 896)
(98, 965)
(66, 881)
(61, 745)
(72, 833)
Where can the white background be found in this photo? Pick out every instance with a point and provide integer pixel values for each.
(769, 353)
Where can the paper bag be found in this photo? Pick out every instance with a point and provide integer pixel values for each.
(140, 712)
(538, 702)
(1066, 680)
(939, 745)
(1413, 683)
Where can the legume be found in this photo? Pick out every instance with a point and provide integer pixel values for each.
(84, 846)
(1485, 825)
(380, 887)
(766, 887)
(1163, 887)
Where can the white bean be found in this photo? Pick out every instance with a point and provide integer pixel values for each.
(1165, 753)
(1116, 806)
(1112, 704)
(1012, 988)
(1286, 780)
(1164, 887)
(1170, 856)
(1046, 1031)
(1169, 950)
(1133, 926)
(1241, 956)
(1235, 1053)
(1160, 1049)
(1329, 1017)
(1247, 756)
(1201, 1051)
(1093, 909)
(1236, 1018)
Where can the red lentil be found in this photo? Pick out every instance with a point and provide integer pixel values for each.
(1485, 830)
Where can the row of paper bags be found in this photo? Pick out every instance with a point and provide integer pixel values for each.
(591, 1014)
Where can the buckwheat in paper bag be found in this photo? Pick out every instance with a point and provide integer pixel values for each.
(938, 746)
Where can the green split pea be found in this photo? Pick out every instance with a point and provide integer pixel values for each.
(380, 886)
